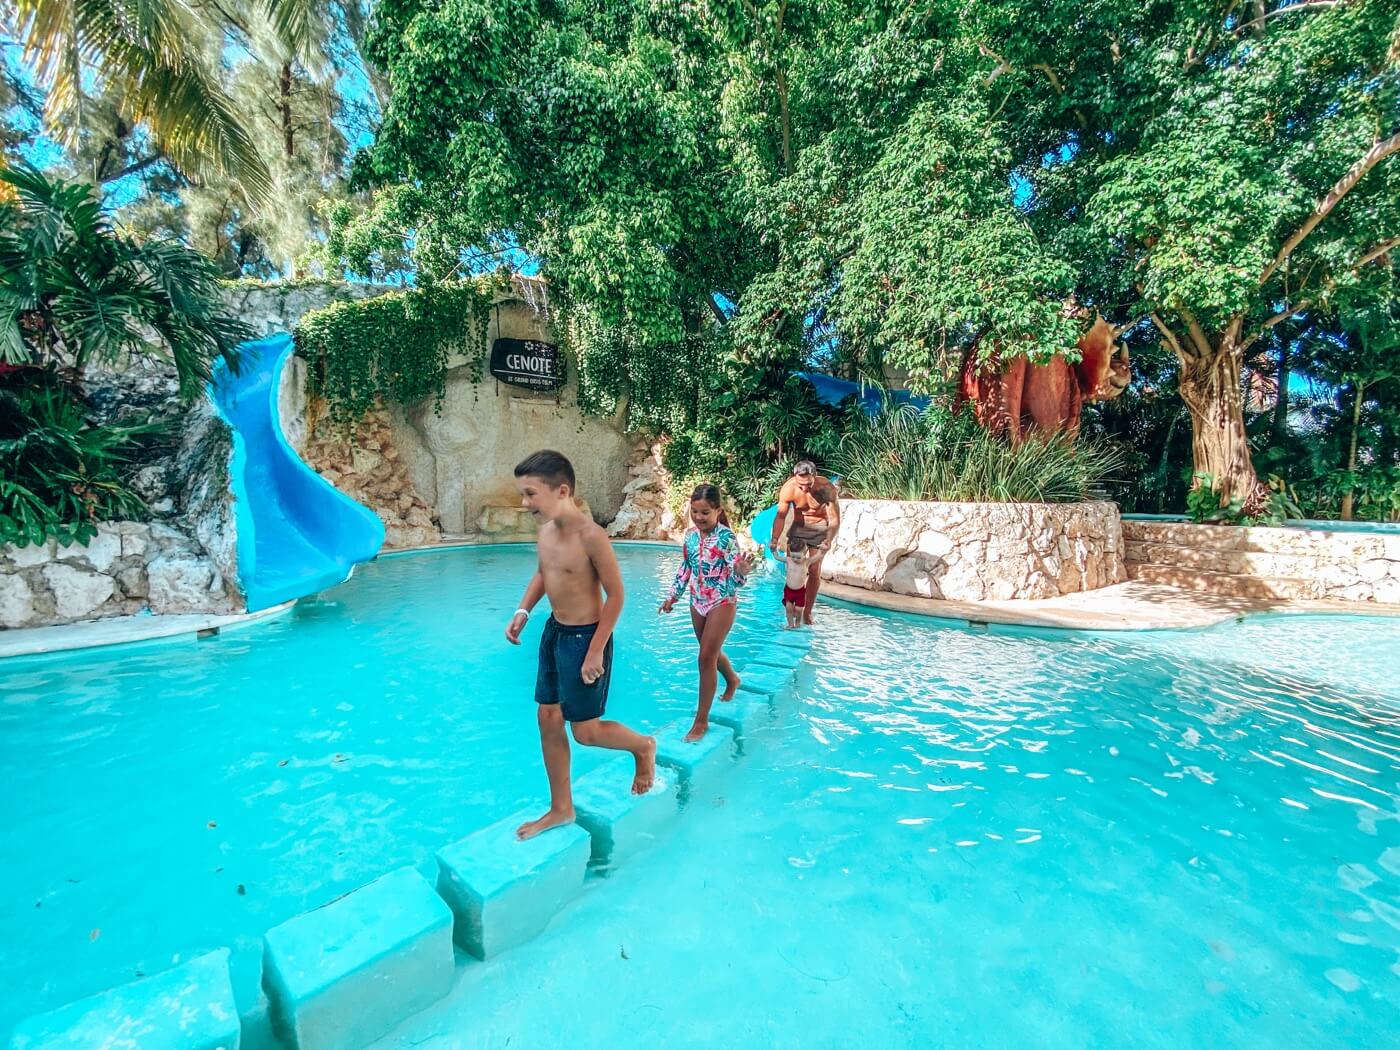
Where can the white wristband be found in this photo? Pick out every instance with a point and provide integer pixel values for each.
(522, 612)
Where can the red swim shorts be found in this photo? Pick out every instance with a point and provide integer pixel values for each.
(794, 595)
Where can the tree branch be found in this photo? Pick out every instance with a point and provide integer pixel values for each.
(1277, 319)
(1373, 156)
(1003, 66)
(1287, 10)
(132, 169)
(1171, 339)
(1377, 251)
(1199, 339)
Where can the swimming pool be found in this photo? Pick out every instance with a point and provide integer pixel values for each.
(948, 836)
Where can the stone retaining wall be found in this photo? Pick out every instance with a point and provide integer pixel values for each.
(186, 562)
(1267, 563)
(977, 551)
(129, 566)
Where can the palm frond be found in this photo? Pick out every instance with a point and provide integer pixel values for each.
(146, 48)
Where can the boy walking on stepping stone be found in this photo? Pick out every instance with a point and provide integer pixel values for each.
(576, 567)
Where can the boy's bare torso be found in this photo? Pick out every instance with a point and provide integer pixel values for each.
(570, 580)
(797, 569)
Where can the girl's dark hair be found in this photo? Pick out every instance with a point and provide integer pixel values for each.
(710, 494)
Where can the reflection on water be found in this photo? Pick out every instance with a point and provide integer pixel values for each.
(1213, 811)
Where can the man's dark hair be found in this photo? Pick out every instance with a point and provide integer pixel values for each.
(549, 466)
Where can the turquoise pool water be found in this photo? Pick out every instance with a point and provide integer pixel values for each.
(949, 837)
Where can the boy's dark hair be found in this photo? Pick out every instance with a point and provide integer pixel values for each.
(797, 545)
(549, 466)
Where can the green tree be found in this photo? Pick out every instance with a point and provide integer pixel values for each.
(153, 54)
(892, 184)
(1218, 168)
(74, 290)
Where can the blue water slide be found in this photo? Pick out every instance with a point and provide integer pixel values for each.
(833, 391)
(296, 533)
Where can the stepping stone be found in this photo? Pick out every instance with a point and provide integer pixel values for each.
(619, 822)
(189, 1007)
(503, 891)
(799, 639)
(743, 714)
(699, 763)
(345, 974)
(779, 656)
(765, 679)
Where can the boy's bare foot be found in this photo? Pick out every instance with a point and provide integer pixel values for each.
(697, 731)
(531, 828)
(646, 769)
(731, 686)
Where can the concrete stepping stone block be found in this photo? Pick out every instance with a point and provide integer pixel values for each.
(503, 891)
(779, 656)
(766, 679)
(743, 714)
(699, 763)
(345, 974)
(620, 823)
(799, 639)
(189, 1007)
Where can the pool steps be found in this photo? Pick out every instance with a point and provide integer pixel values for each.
(346, 973)
(352, 969)
(188, 1007)
(765, 680)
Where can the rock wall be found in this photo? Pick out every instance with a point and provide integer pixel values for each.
(454, 463)
(128, 567)
(269, 308)
(366, 466)
(1267, 563)
(977, 551)
(645, 513)
(461, 455)
(183, 558)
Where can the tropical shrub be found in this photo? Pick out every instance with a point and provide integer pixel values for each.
(60, 473)
(1204, 507)
(937, 454)
(74, 290)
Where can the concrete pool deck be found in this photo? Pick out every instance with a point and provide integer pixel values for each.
(123, 630)
(1131, 606)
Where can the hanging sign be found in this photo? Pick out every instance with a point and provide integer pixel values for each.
(524, 362)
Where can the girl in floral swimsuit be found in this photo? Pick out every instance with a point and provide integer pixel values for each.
(713, 569)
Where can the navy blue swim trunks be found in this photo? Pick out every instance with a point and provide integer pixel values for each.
(563, 648)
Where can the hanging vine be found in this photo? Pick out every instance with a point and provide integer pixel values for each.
(395, 347)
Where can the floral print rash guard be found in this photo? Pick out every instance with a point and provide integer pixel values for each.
(708, 567)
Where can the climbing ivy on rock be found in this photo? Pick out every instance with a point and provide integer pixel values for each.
(394, 348)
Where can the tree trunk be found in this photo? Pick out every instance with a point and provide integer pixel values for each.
(786, 121)
(1348, 498)
(285, 97)
(1281, 395)
(1219, 446)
